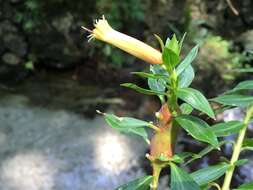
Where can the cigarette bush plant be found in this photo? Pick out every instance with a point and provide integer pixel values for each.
(169, 79)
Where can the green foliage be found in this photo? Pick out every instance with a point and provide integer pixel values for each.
(142, 90)
(245, 85)
(234, 100)
(247, 144)
(247, 186)
(127, 125)
(170, 82)
(181, 180)
(198, 129)
(227, 128)
(187, 60)
(196, 99)
(186, 109)
(209, 174)
(142, 183)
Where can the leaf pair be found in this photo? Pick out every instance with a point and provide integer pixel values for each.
(180, 179)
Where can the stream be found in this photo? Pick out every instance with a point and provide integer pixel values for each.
(46, 142)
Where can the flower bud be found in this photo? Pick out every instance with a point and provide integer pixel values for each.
(104, 32)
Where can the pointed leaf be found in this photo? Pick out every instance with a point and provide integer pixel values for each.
(245, 70)
(173, 45)
(127, 125)
(234, 100)
(206, 150)
(247, 144)
(198, 129)
(227, 128)
(186, 77)
(196, 99)
(160, 41)
(245, 85)
(170, 59)
(241, 162)
(246, 186)
(187, 60)
(142, 90)
(180, 157)
(181, 42)
(142, 183)
(181, 180)
(151, 75)
(209, 174)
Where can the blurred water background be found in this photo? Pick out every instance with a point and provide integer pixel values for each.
(52, 82)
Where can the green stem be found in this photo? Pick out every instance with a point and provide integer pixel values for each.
(237, 150)
(156, 174)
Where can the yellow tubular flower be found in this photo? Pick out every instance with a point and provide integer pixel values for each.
(104, 32)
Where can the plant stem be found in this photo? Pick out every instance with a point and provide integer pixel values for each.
(237, 150)
(156, 174)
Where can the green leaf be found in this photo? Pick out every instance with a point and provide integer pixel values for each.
(206, 150)
(186, 77)
(170, 59)
(157, 84)
(234, 100)
(160, 41)
(181, 42)
(196, 99)
(245, 70)
(127, 125)
(209, 174)
(186, 109)
(241, 162)
(180, 157)
(173, 45)
(246, 186)
(247, 144)
(198, 129)
(245, 85)
(187, 60)
(227, 128)
(142, 183)
(142, 90)
(181, 180)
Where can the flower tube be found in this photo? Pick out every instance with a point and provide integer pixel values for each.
(104, 32)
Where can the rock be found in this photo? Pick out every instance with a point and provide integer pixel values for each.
(11, 59)
(16, 44)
